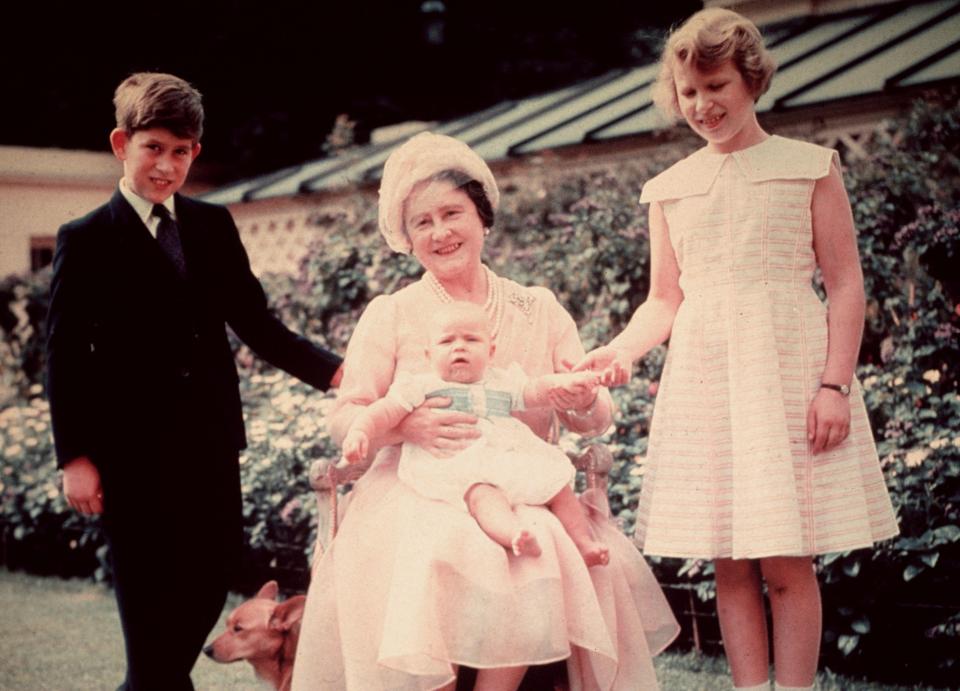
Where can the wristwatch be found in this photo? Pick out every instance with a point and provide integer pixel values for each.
(842, 388)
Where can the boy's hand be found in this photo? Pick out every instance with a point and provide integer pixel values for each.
(337, 377)
(81, 486)
(614, 365)
(355, 446)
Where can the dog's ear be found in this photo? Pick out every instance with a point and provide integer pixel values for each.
(269, 590)
(287, 613)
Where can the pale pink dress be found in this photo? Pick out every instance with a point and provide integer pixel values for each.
(412, 586)
(730, 473)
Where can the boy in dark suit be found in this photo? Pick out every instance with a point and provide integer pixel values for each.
(142, 383)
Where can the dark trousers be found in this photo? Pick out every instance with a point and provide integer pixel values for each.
(173, 553)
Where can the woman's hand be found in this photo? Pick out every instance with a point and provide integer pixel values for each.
(828, 420)
(614, 365)
(443, 433)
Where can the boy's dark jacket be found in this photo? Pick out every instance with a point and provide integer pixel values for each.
(139, 360)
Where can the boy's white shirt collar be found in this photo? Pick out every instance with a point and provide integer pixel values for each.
(144, 207)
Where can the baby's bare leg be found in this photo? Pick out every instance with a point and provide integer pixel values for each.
(567, 508)
(493, 513)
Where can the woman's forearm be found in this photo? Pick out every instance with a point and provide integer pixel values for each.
(593, 420)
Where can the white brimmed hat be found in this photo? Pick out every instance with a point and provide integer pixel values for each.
(419, 158)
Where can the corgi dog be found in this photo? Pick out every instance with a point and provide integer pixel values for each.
(264, 632)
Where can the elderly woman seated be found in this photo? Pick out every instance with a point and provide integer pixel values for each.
(411, 588)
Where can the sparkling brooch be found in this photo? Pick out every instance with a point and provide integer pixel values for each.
(523, 302)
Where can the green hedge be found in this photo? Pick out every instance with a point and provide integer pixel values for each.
(889, 612)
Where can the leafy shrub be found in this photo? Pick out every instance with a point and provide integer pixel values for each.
(40, 532)
(23, 306)
(285, 434)
(905, 201)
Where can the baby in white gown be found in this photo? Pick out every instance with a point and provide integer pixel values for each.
(509, 464)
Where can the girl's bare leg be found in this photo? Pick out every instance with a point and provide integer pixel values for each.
(743, 623)
(499, 679)
(493, 513)
(797, 618)
(569, 511)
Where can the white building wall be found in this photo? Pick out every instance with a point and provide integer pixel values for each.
(40, 189)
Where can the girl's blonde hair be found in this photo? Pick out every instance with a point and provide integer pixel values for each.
(705, 41)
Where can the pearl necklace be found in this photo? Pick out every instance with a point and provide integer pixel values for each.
(493, 305)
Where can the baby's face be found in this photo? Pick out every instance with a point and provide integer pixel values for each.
(460, 349)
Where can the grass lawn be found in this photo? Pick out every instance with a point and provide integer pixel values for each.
(64, 635)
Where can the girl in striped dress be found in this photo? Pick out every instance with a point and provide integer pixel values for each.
(760, 452)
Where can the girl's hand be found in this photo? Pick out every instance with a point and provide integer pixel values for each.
(828, 420)
(443, 433)
(614, 365)
(355, 446)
